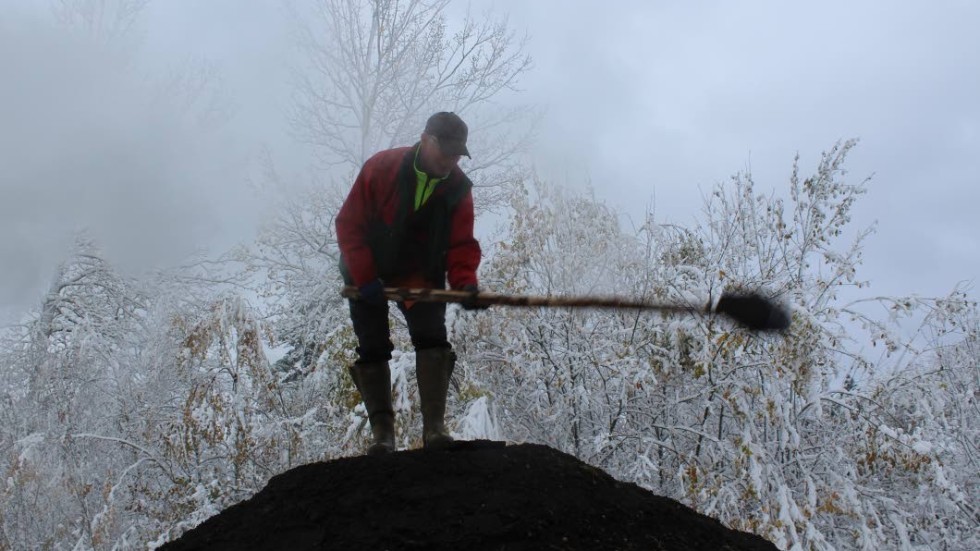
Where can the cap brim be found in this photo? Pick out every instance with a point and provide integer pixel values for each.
(453, 148)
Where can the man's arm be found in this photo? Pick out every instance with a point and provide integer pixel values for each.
(463, 255)
(352, 223)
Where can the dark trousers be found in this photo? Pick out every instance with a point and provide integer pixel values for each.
(426, 325)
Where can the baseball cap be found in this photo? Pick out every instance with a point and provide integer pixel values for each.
(451, 132)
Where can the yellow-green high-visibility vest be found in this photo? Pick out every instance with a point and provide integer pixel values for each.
(424, 185)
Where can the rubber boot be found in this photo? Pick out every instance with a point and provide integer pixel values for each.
(373, 381)
(433, 367)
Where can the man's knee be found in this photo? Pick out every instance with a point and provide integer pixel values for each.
(427, 325)
(372, 331)
(373, 355)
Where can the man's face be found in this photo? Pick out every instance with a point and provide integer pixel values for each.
(435, 161)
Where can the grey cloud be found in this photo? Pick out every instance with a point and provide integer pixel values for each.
(88, 142)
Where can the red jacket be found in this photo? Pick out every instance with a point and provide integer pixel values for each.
(380, 235)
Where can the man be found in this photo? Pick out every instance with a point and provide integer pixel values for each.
(408, 222)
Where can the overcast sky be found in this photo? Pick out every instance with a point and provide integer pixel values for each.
(653, 102)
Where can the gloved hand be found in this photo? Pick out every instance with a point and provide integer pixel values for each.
(470, 303)
(373, 292)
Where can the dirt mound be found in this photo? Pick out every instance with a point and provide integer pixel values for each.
(478, 496)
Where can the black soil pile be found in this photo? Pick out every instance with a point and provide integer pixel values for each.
(478, 496)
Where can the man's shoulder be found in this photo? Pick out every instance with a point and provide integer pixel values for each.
(388, 157)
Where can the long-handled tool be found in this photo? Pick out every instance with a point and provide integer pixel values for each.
(750, 310)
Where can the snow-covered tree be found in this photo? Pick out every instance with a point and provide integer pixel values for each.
(770, 433)
(377, 69)
(64, 374)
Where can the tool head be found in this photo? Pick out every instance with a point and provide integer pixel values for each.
(753, 311)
